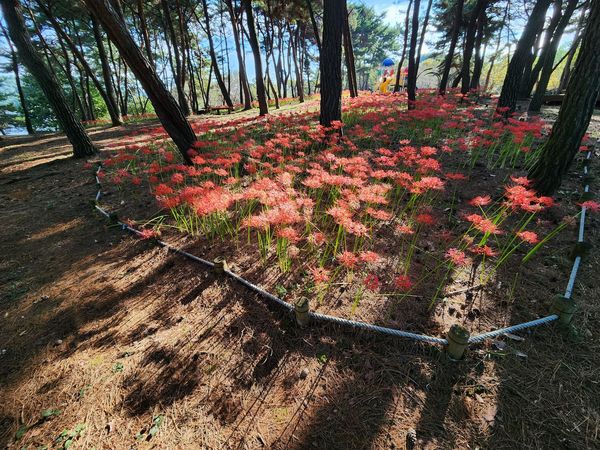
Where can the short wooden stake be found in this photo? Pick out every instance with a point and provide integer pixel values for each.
(220, 264)
(301, 309)
(580, 249)
(458, 340)
(564, 308)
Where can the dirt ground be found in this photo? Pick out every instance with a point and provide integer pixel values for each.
(125, 345)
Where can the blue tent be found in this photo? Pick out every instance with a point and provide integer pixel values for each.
(387, 62)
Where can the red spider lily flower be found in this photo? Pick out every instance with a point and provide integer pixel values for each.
(405, 229)
(320, 275)
(483, 250)
(591, 205)
(163, 189)
(528, 236)
(147, 233)
(372, 282)
(457, 257)
(136, 181)
(480, 201)
(317, 239)
(455, 176)
(169, 202)
(259, 222)
(523, 181)
(348, 259)
(369, 256)
(288, 233)
(403, 282)
(379, 214)
(177, 178)
(425, 219)
(482, 224)
(427, 183)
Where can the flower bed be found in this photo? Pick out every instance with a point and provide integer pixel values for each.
(413, 219)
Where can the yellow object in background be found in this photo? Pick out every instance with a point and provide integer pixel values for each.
(384, 85)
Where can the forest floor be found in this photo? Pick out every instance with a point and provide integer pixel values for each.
(115, 343)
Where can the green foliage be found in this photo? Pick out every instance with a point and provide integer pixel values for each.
(9, 113)
(372, 39)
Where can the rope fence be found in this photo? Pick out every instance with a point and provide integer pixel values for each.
(457, 339)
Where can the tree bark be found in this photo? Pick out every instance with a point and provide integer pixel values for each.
(245, 87)
(106, 75)
(13, 15)
(516, 67)
(331, 71)
(144, 30)
(401, 62)
(575, 113)
(313, 21)
(213, 57)
(458, 13)
(260, 85)
(423, 32)
(470, 44)
(549, 55)
(15, 69)
(412, 65)
(349, 56)
(165, 106)
(179, 68)
(479, 55)
(112, 108)
(566, 73)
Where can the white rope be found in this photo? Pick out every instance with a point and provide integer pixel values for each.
(521, 326)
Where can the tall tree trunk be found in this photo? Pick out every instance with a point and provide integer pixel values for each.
(575, 113)
(166, 108)
(13, 15)
(112, 108)
(514, 74)
(458, 13)
(178, 72)
(313, 21)
(549, 55)
(423, 31)
(213, 57)
(15, 68)
(479, 54)
(349, 56)
(532, 72)
(470, 44)
(566, 73)
(107, 76)
(401, 62)
(412, 64)
(144, 30)
(260, 85)
(331, 51)
(295, 57)
(244, 86)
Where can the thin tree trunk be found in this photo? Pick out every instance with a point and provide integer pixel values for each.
(549, 55)
(107, 76)
(565, 75)
(349, 56)
(168, 111)
(458, 13)
(260, 85)
(423, 31)
(213, 56)
(479, 55)
(412, 66)
(15, 69)
(331, 51)
(313, 21)
(113, 111)
(512, 81)
(144, 30)
(401, 62)
(575, 113)
(244, 86)
(13, 15)
(470, 44)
